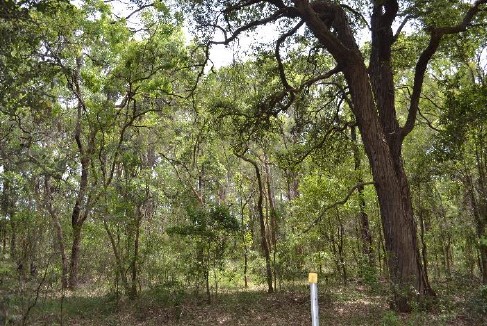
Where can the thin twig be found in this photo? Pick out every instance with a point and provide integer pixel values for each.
(335, 204)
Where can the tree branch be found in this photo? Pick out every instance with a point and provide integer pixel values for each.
(428, 122)
(138, 10)
(356, 13)
(335, 204)
(436, 35)
(400, 28)
(334, 44)
(280, 65)
(275, 16)
(326, 75)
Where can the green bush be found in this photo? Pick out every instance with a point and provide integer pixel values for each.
(476, 305)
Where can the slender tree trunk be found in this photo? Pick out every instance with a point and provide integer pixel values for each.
(207, 273)
(469, 255)
(483, 263)
(244, 240)
(120, 270)
(480, 218)
(8, 208)
(341, 250)
(59, 234)
(365, 234)
(4, 236)
(13, 238)
(260, 210)
(246, 264)
(423, 242)
(135, 258)
(273, 219)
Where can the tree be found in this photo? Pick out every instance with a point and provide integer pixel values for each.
(462, 141)
(210, 229)
(371, 87)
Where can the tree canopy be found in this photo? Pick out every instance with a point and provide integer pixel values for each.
(352, 144)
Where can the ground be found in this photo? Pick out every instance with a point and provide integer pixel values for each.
(353, 304)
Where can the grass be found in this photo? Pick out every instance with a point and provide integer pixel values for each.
(351, 305)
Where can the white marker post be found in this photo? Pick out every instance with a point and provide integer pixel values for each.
(315, 317)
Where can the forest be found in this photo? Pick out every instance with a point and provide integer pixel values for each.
(145, 182)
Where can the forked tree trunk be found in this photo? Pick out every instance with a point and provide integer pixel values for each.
(372, 93)
(81, 207)
(384, 154)
(120, 269)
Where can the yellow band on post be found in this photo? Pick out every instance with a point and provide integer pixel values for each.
(313, 278)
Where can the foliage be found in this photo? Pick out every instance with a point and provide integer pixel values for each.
(169, 179)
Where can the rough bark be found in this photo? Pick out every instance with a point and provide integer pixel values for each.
(372, 91)
(74, 258)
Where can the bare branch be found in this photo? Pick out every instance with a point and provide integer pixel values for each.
(138, 10)
(280, 65)
(275, 16)
(240, 5)
(428, 122)
(320, 144)
(174, 163)
(335, 204)
(315, 79)
(400, 28)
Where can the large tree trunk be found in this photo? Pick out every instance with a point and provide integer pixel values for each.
(372, 97)
(372, 93)
(384, 154)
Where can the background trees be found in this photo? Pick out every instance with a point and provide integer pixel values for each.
(126, 165)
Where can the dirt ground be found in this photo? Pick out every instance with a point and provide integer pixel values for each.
(343, 306)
